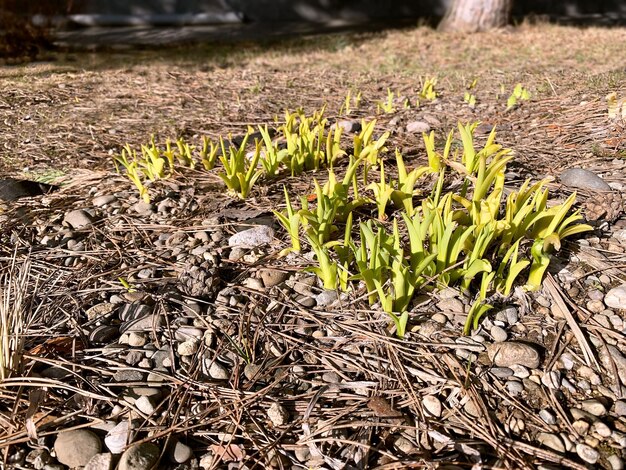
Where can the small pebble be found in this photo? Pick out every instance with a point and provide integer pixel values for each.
(181, 453)
(552, 441)
(593, 406)
(514, 387)
(587, 453)
(501, 372)
(602, 429)
(616, 297)
(510, 353)
(498, 334)
(595, 306)
(620, 407)
(189, 347)
(547, 416)
(432, 405)
(581, 426)
(218, 371)
(615, 462)
(278, 414)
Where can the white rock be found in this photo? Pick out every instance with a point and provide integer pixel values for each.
(145, 405)
(277, 414)
(117, 438)
(189, 347)
(510, 353)
(593, 406)
(616, 462)
(432, 405)
(616, 297)
(587, 453)
(255, 236)
(551, 441)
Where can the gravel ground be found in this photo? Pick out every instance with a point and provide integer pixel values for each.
(171, 333)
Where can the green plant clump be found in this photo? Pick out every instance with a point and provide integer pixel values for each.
(474, 238)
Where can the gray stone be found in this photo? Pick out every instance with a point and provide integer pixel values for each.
(147, 323)
(547, 416)
(278, 414)
(519, 371)
(255, 236)
(306, 301)
(506, 354)
(498, 334)
(508, 315)
(139, 457)
(128, 375)
(133, 311)
(620, 408)
(450, 305)
(103, 200)
(501, 372)
(404, 445)
(593, 406)
(417, 127)
(616, 297)
(144, 208)
(610, 356)
(102, 461)
(552, 379)
(218, 371)
(326, 297)
(273, 277)
(118, 437)
(587, 453)
(583, 179)
(432, 405)
(78, 218)
(551, 441)
(75, 448)
(251, 371)
(181, 453)
(103, 334)
(615, 462)
(145, 405)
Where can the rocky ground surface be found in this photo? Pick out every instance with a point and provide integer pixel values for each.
(171, 333)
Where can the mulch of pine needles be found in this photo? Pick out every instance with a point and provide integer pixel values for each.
(62, 119)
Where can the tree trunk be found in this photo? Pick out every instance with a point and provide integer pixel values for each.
(476, 15)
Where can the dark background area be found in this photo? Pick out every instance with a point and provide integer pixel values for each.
(31, 26)
(299, 10)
